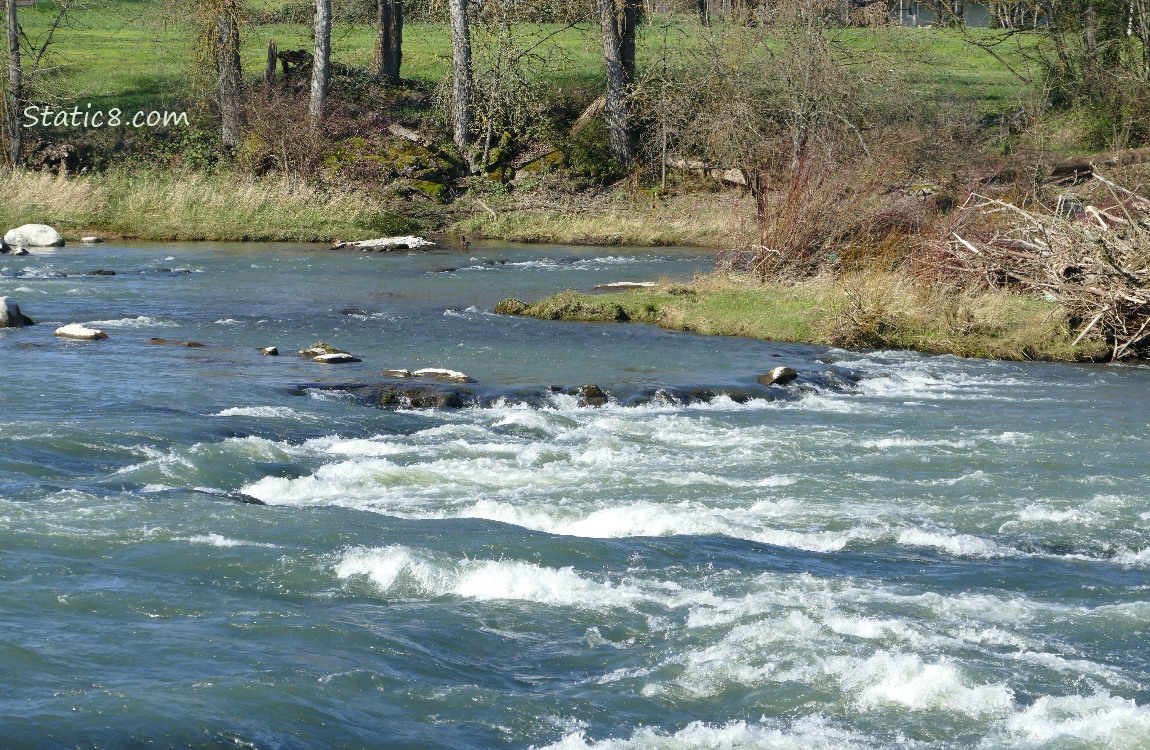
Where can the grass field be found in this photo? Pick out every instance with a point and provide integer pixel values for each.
(134, 54)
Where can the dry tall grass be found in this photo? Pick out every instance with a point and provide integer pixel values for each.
(192, 206)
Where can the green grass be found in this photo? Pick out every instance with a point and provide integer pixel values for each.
(134, 54)
(886, 311)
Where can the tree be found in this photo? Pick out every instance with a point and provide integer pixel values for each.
(227, 54)
(321, 62)
(12, 94)
(388, 40)
(461, 100)
(618, 19)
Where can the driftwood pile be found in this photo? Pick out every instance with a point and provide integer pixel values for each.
(1095, 261)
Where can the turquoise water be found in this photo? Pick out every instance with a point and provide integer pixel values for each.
(946, 554)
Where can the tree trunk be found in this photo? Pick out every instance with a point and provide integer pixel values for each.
(388, 40)
(618, 19)
(14, 96)
(321, 62)
(1144, 33)
(704, 12)
(228, 68)
(270, 67)
(461, 103)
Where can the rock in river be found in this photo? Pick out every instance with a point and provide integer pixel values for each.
(778, 376)
(327, 354)
(439, 373)
(10, 315)
(78, 331)
(34, 235)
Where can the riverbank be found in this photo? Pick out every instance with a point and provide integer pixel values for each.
(860, 311)
(153, 204)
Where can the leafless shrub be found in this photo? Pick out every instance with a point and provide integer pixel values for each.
(1094, 260)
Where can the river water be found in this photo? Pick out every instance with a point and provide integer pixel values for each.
(943, 554)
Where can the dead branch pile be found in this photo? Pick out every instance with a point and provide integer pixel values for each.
(1093, 261)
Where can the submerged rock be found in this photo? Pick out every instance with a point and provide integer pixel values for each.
(778, 376)
(397, 373)
(34, 235)
(10, 315)
(270, 351)
(171, 342)
(82, 332)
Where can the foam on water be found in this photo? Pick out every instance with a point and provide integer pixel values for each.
(398, 570)
(1097, 721)
(139, 321)
(809, 733)
(272, 412)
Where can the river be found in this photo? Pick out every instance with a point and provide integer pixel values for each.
(895, 551)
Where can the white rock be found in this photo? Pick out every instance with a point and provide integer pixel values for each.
(10, 315)
(397, 373)
(440, 373)
(34, 235)
(78, 331)
(335, 359)
(384, 244)
(778, 376)
(270, 351)
(91, 239)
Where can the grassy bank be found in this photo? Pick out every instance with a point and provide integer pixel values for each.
(160, 205)
(708, 219)
(888, 311)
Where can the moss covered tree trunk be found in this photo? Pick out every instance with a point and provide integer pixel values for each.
(388, 40)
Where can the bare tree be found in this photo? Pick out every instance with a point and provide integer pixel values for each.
(618, 19)
(12, 97)
(321, 62)
(461, 100)
(388, 40)
(227, 55)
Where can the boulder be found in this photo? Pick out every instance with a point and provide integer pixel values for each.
(78, 331)
(591, 395)
(270, 351)
(778, 376)
(397, 373)
(5, 247)
(327, 354)
(91, 239)
(10, 315)
(438, 373)
(19, 251)
(34, 235)
(335, 358)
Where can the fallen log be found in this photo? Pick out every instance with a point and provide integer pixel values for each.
(1082, 167)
